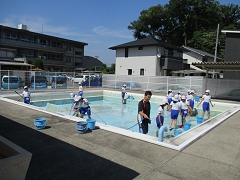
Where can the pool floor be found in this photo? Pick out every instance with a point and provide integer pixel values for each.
(124, 116)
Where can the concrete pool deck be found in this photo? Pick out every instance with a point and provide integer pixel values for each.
(59, 152)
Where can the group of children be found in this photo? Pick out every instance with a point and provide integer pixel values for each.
(183, 105)
(80, 105)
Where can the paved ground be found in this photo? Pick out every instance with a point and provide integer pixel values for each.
(59, 152)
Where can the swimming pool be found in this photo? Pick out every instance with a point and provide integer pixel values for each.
(107, 109)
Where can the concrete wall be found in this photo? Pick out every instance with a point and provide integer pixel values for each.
(14, 161)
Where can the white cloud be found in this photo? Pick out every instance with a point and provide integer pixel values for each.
(101, 30)
(41, 25)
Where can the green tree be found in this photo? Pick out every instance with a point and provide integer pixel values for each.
(188, 22)
(38, 63)
(106, 70)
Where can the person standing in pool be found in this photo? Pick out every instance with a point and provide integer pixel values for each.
(160, 116)
(85, 108)
(169, 96)
(123, 93)
(77, 106)
(206, 99)
(80, 89)
(144, 108)
(26, 95)
(184, 109)
(175, 108)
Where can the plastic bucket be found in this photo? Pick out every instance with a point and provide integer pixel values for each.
(81, 127)
(131, 97)
(177, 132)
(40, 123)
(187, 126)
(91, 123)
(199, 119)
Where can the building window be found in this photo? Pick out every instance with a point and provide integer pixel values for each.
(11, 36)
(78, 53)
(140, 48)
(141, 72)
(68, 60)
(43, 41)
(126, 52)
(168, 52)
(129, 71)
(79, 47)
(55, 44)
(68, 48)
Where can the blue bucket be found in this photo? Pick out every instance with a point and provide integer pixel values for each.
(91, 123)
(199, 119)
(81, 127)
(187, 126)
(177, 132)
(40, 123)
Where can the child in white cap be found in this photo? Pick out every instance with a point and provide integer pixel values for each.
(175, 108)
(123, 93)
(80, 89)
(160, 116)
(206, 99)
(26, 95)
(77, 105)
(185, 108)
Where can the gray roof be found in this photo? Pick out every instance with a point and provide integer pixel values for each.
(148, 41)
(202, 53)
(223, 66)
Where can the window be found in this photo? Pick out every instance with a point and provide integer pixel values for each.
(43, 41)
(79, 47)
(126, 52)
(68, 48)
(141, 72)
(68, 60)
(55, 44)
(140, 48)
(168, 52)
(78, 53)
(129, 71)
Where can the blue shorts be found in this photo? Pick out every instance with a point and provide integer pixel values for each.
(86, 110)
(169, 100)
(191, 104)
(184, 112)
(123, 94)
(26, 100)
(206, 106)
(174, 114)
(157, 121)
(80, 93)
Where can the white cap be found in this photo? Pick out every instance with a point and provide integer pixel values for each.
(208, 91)
(170, 90)
(71, 95)
(25, 87)
(192, 91)
(189, 90)
(178, 92)
(175, 98)
(79, 83)
(164, 101)
(124, 85)
(183, 97)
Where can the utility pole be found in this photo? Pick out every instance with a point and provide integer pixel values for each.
(215, 55)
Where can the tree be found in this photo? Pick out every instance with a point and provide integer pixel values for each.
(38, 63)
(188, 22)
(106, 70)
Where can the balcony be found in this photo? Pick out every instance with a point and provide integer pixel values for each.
(27, 45)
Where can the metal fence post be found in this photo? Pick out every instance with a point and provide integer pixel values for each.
(8, 80)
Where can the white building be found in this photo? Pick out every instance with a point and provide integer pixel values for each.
(148, 57)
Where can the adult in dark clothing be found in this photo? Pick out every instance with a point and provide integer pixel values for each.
(144, 112)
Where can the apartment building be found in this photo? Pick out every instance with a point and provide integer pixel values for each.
(57, 54)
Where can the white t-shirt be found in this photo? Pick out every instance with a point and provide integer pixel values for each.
(123, 89)
(189, 97)
(170, 95)
(160, 111)
(179, 96)
(175, 106)
(83, 104)
(206, 98)
(183, 105)
(26, 94)
(80, 88)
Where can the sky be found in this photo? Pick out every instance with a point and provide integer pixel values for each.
(99, 23)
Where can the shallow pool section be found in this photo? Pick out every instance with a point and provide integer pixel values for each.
(114, 116)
